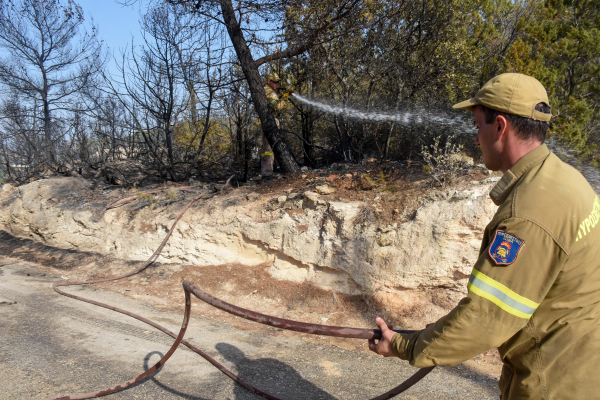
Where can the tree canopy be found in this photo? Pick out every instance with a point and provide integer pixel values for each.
(190, 97)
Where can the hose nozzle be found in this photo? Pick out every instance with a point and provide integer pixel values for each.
(285, 93)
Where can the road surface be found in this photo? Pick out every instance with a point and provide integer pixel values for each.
(52, 346)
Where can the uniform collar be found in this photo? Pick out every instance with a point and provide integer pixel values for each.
(510, 177)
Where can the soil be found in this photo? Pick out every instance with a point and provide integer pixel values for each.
(393, 191)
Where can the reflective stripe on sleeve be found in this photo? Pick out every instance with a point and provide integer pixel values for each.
(511, 302)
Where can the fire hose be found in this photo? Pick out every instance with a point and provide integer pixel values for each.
(190, 289)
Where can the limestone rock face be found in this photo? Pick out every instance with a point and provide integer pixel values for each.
(304, 238)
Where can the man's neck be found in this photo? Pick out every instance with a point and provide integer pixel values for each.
(516, 150)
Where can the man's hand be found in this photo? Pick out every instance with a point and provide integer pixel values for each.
(384, 347)
(284, 93)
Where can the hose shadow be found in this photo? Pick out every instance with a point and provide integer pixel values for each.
(270, 375)
(161, 385)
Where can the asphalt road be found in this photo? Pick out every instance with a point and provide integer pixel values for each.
(52, 346)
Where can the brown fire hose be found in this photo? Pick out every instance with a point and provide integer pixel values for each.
(230, 308)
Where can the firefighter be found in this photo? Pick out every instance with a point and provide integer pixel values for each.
(278, 101)
(534, 291)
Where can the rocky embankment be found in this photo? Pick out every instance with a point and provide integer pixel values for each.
(301, 236)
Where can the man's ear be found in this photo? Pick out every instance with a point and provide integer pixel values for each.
(501, 126)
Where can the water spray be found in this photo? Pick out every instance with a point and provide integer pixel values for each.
(406, 118)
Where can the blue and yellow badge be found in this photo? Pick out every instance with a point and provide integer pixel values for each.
(505, 247)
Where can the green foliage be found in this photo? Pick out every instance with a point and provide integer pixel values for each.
(561, 47)
(423, 56)
(434, 54)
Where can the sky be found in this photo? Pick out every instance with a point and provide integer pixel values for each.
(116, 24)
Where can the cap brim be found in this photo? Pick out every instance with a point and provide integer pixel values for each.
(468, 104)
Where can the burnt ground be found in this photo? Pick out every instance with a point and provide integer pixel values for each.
(393, 191)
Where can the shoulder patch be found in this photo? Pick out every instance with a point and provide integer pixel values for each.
(505, 247)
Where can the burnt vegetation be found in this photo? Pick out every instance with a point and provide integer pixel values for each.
(187, 102)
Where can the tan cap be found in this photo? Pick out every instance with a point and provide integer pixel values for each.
(273, 77)
(511, 93)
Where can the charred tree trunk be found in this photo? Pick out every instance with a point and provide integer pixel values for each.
(51, 159)
(257, 91)
(246, 154)
(240, 141)
(308, 122)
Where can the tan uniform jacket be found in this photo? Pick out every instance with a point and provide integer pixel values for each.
(277, 105)
(534, 291)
